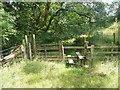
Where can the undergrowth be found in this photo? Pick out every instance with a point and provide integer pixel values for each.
(43, 74)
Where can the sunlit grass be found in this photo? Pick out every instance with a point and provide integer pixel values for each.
(111, 29)
(108, 32)
(41, 74)
(109, 69)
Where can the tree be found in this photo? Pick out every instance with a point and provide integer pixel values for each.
(7, 30)
(55, 22)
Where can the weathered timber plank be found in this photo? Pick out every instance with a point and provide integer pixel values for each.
(12, 55)
(70, 56)
(34, 45)
(48, 48)
(80, 47)
(107, 52)
(105, 57)
(73, 47)
(106, 47)
(53, 44)
(50, 58)
(50, 52)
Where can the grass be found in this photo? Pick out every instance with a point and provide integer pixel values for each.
(43, 74)
(108, 35)
(111, 29)
(104, 37)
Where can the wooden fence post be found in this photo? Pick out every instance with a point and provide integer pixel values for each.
(60, 51)
(114, 38)
(102, 36)
(112, 49)
(0, 54)
(92, 57)
(24, 47)
(34, 46)
(85, 50)
(85, 46)
(30, 52)
(27, 46)
(63, 53)
(45, 52)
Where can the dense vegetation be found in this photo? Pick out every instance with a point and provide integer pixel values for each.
(59, 22)
(54, 22)
(41, 74)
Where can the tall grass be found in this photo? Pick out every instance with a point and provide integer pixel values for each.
(43, 74)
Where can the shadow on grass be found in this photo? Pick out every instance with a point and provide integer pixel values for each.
(37, 67)
(48, 76)
(79, 78)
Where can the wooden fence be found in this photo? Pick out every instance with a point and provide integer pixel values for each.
(95, 52)
(11, 55)
(56, 52)
(50, 51)
(91, 51)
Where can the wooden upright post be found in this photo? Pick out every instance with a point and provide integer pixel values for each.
(26, 39)
(0, 55)
(24, 47)
(85, 46)
(85, 50)
(30, 52)
(62, 52)
(34, 46)
(102, 36)
(45, 52)
(1, 44)
(112, 50)
(92, 57)
(114, 38)
(27, 46)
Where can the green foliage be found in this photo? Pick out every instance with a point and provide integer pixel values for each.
(55, 22)
(8, 31)
(43, 74)
(104, 36)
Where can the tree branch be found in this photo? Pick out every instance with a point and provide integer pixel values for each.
(61, 9)
(47, 8)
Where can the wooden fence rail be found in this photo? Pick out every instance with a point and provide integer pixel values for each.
(92, 48)
(50, 51)
(57, 51)
(89, 47)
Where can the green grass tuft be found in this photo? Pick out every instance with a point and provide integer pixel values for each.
(43, 74)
